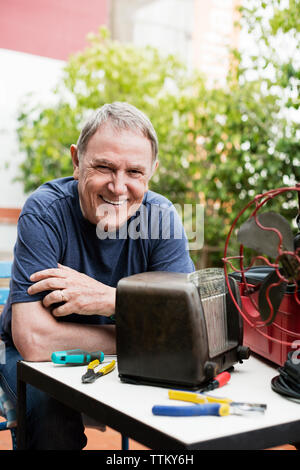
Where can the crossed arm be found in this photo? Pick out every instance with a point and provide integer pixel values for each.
(36, 331)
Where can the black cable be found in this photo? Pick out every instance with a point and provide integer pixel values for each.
(282, 387)
(287, 383)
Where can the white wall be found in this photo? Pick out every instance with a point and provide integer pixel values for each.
(167, 25)
(19, 74)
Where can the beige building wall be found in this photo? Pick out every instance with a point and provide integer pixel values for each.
(200, 32)
(215, 33)
(165, 24)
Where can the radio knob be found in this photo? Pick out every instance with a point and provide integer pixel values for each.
(243, 352)
(210, 369)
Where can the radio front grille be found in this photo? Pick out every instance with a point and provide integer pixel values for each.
(212, 289)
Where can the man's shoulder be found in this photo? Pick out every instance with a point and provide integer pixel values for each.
(155, 199)
(40, 201)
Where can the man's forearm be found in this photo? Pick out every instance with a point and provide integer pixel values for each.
(77, 336)
(36, 333)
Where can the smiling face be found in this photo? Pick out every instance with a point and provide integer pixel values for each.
(112, 175)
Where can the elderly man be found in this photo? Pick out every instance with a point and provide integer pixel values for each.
(73, 247)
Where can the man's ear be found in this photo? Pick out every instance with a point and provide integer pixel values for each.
(154, 167)
(75, 160)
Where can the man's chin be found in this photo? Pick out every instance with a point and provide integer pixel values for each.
(111, 218)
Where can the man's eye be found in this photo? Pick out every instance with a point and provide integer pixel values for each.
(103, 168)
(135, 172)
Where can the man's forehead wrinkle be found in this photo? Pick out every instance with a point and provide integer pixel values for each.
(107, 145)
(118, 129)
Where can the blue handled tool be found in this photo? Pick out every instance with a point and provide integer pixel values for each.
(206, 405)
(76, 357)
(209, 409)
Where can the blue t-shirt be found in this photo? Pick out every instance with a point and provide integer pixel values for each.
(52, 229)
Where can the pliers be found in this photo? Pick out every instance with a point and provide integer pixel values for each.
(208, 405)
(91, 375)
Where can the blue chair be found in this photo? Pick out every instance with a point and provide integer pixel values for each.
(7, 409)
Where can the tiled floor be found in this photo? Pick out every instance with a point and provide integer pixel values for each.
(97, 440)
(108, 440)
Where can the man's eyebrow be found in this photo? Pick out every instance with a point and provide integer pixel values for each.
(102, 160)
(132, 166)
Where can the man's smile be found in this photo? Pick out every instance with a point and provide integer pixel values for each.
(119, 202)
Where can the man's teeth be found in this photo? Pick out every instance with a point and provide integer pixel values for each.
(115, 203)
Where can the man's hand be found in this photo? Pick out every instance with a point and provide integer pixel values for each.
(80, 293)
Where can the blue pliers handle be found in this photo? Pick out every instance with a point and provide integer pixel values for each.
(209, 409)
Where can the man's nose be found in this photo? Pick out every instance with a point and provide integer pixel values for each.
(117, 185)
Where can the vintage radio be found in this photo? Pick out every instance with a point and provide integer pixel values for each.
(177, 330)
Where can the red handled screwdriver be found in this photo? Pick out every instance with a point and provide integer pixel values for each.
(219, 381)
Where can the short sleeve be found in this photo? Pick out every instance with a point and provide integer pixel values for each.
(38, 247)
(170, 251)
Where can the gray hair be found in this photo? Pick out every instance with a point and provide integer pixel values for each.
(120, 116)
